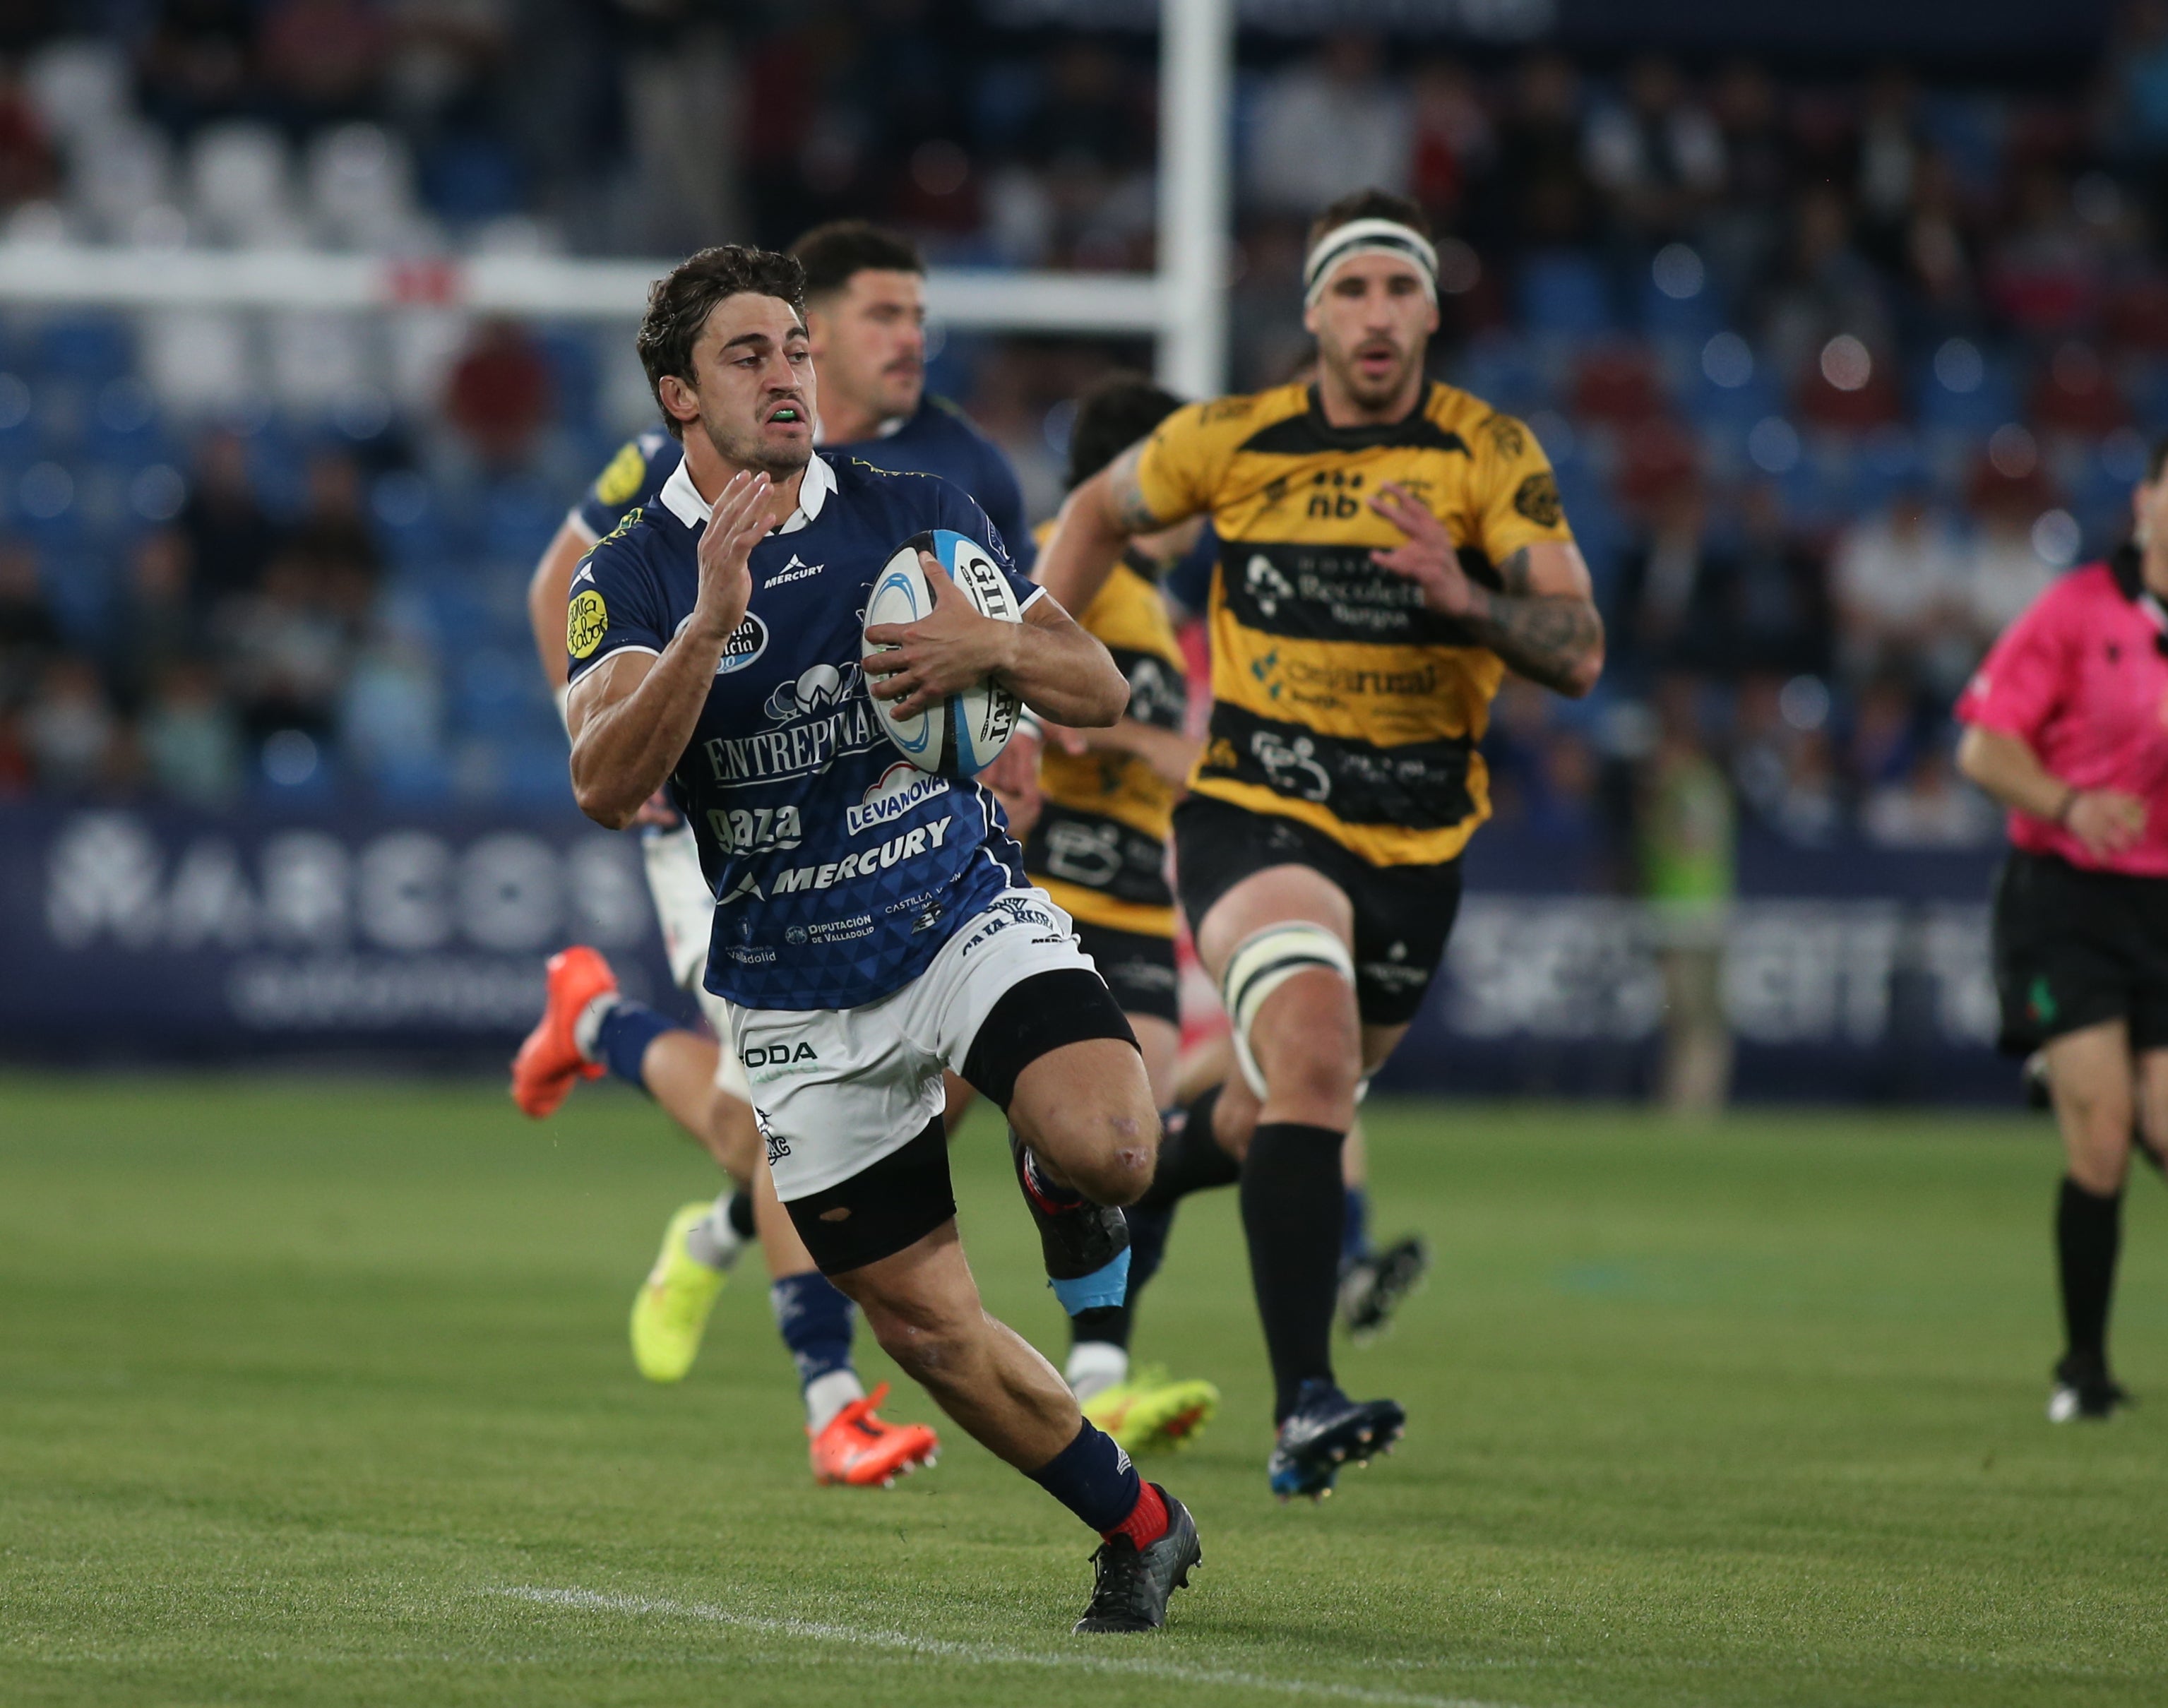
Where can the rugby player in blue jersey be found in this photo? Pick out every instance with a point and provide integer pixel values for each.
(873, 926)
(865, 310)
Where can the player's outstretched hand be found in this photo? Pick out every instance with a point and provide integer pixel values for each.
(944, 652)
(1428, 558)
(2106, 820)
(736, 521)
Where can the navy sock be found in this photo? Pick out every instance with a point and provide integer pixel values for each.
(1354, 1227)
(624, 1036)
(1190, 1159)
(815, 1321)
(1093, 1479)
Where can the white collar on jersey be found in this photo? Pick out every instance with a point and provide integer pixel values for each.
(682, 500)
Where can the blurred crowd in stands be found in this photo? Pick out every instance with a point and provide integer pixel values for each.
(1838, 370)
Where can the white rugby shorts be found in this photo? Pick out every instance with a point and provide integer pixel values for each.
(836, 1091)
(685, 909)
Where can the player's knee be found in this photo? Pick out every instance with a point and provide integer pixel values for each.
(1304, 1072)
(1118, 1168)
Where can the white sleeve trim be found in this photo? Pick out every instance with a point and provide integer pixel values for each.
(1032, 598)
(578, 524)
(588, 664)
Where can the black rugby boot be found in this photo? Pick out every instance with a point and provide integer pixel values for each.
(1131, 1585)
(1325, 1430)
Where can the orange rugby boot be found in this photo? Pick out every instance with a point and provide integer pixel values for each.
(857, 1448)
(549, 1061)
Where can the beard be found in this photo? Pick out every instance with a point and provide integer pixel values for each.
(748, 446)
(1368, 392)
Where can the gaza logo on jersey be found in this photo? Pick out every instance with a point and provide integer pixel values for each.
(902, 786)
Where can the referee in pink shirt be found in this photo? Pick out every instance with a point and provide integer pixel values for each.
(2067, 727)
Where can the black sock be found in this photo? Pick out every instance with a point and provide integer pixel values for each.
(2088, 1235)
(1291, 1215)
(1190, 1159)
(1148, 1232)
(740, 1214)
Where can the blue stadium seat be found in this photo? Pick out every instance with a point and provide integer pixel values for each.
(575, 376)
(468, 179)
(1979, 411)
(1500, 369)
(91, 348)
(1563, 295)
(533, 771)
(520, 517)
(497, 693)
(413, 779)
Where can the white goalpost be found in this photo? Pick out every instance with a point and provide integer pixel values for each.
(1182, 306)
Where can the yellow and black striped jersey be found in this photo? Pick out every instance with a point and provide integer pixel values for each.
(1337, 699)
(1099, 848)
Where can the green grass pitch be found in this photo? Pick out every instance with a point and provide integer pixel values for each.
(317, 1393)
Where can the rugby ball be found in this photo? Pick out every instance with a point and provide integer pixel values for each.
(962, 734)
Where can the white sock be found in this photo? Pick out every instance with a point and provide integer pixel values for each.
(1095, 1366)
(589, 1025)
(712, 1240)
(826, 1395)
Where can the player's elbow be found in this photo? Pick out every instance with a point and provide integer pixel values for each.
(603, 805)
(1107, 695)
(1972, 760)
(1582, 671)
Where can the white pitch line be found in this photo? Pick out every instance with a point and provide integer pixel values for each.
(976, 1654)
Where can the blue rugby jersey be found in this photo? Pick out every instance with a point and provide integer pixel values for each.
(937, 439)
(842, 868)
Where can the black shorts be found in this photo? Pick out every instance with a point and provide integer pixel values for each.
(1139, 969)
(896, 1201)
(2073, 948)
(1403, 913)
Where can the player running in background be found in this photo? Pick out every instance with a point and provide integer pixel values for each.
(859, 960)
(865, 310)
(2066, 729)
(1098, 844)
(1390, 548)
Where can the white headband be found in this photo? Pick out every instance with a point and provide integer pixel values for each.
(1369, 237)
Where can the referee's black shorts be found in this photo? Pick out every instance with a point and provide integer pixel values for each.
(2073, 948)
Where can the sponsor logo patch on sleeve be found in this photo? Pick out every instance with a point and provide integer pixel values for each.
(619, 483)
(586, 620)
(1537, 498)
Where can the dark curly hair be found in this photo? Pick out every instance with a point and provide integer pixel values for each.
(1113, 416)
(683, 298)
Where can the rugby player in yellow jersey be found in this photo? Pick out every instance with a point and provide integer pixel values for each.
(1390, 548)
(1098, 844)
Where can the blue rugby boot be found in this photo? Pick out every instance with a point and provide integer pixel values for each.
(1325, 1430)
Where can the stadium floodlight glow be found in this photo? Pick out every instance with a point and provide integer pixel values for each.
(1182, 306)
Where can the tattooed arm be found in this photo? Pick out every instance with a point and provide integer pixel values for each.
(1542, 620)
(1101, 517)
